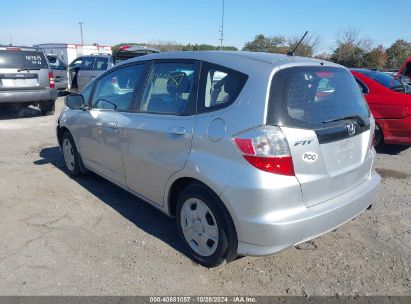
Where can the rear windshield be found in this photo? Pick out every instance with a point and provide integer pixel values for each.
(384, 79)
(22, 60)
(308, 97)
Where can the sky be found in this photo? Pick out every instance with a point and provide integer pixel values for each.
(28, 22)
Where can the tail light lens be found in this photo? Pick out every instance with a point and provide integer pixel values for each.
(267, 149)
(51, 80)
(372, 133)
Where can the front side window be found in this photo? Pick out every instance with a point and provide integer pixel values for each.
(169, 88)
(86, 92)
(76, 64)
(87, 64)
(101, 64)
(219, 87)
(115, 90)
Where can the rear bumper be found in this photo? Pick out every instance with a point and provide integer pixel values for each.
(272, 231)
(27, 96)
(396, 131)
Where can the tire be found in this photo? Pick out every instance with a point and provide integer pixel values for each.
(378, 137)
(47, 107)
(15, 107)
(72, 159)
(205, 226)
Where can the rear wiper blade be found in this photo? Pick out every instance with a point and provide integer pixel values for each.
(357, 118)
(28, 70)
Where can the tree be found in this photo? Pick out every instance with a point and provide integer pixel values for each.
(261, 43)
(323, 56)
(397, 53)
(307, 47)
(351, 48)
(375, 59)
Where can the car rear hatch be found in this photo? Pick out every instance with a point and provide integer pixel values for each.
(126, 52)
(23, 69)
(327, 123)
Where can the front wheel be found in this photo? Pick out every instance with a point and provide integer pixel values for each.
(205, 226)
(72, 159)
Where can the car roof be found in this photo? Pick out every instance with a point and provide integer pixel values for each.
(229, 58)
(22, 48)
(96, 55)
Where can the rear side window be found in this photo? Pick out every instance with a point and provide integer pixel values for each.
(87, 63)
(308, 97)
(101, 64)
(219, 87)
(22, 60)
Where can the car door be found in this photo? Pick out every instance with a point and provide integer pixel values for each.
(157, 138)
(100, 129)
(59, 70)
(85, 72)
(73, 69)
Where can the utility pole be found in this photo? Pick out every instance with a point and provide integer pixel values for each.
(222, 29)
(81, 32)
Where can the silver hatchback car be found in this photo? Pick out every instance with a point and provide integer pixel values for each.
(251, 152)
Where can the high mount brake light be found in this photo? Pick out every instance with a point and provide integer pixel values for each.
(266, 148)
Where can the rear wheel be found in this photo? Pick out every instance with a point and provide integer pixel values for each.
(47, 107)
(205, 226)
(15, 107)
(378, 137)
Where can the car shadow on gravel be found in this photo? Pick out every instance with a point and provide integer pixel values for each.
(26, 112)
(391, 149)
(132, 208)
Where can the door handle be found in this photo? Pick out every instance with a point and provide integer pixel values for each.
(112, 126)
(177, 130)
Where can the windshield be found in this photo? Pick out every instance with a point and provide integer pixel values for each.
(12, 59)
(306, 97)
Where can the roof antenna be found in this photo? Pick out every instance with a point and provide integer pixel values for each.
(291, 53)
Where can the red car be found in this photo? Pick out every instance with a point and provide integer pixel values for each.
(389, 100)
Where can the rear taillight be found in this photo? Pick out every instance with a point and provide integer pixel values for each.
(266, 148)
(372, 133)
(51, 80)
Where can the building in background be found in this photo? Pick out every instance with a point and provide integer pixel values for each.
(68, 52)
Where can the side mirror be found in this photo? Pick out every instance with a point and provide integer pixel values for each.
(74, 101)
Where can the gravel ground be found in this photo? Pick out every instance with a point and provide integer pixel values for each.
(63, 236)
